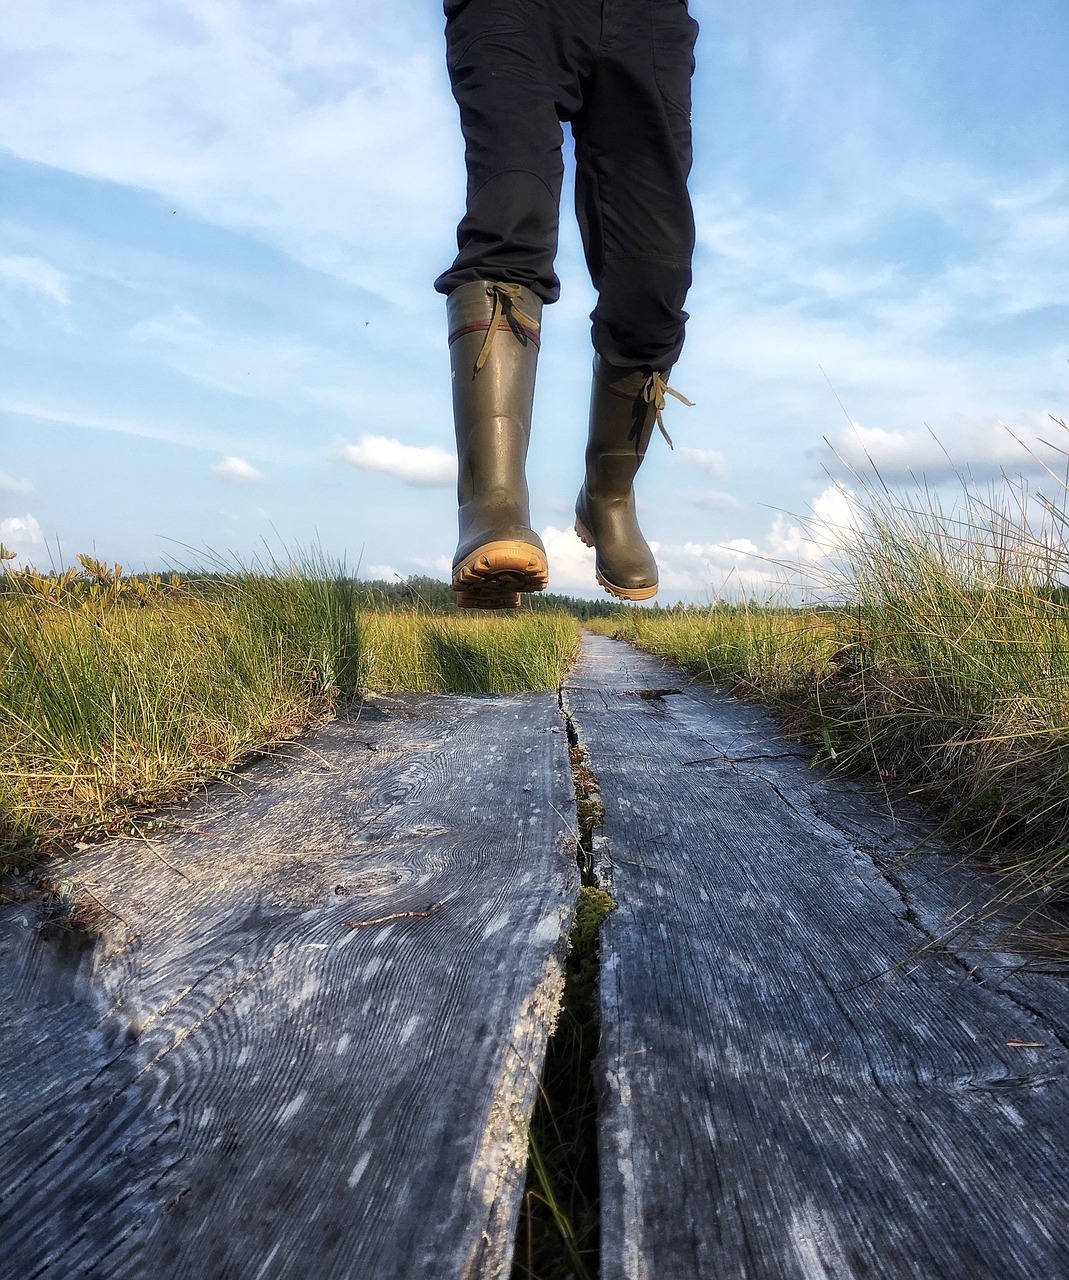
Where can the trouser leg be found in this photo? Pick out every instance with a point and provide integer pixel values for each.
(620, 71)
(633, 157)
(515, 68)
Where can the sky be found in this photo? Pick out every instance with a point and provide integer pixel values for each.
(220, 222)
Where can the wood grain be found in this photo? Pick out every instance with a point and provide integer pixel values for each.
(786, 1093)
(231, 1082)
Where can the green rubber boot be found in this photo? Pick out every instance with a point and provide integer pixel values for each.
(493, 350)
(625, 406)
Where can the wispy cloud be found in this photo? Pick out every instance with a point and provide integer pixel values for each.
(711, 461)
(12, 484)
(233, 468)
(240, 363)
(426, 465)
(94, 422)
(714, 500)
(982, 450)
(950, 323)
(213, 442)
(35, 276)
(319, 126)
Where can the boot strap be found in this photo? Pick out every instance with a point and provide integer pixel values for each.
(505, 307)
(654, 392)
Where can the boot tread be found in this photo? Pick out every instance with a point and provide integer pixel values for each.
(501, 568)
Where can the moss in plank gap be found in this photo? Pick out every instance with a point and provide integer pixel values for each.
(588, 807)
(558, 1237)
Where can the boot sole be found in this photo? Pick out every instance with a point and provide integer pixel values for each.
(621, 593)
(494, 574)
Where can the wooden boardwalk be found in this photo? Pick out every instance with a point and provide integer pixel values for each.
(308, 1039)
(235, 1083)
(782, 1097)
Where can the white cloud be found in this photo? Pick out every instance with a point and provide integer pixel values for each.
(834, 523)
(837, 519)
(435, 567)
(24, 536)
(963, 447)
(571, 564)
(710, 461)
(9, 484)
(237, 469)
(36, 276)
(383, 573)
(794, 559)
(714, 500)
(311, 125)
(426, 465)
(244, 364)
(791, 555)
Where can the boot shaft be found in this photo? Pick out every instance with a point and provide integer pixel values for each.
(493, 377)
(621, 424)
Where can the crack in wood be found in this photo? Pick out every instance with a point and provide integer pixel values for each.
(248, 1087)
(746, 1073)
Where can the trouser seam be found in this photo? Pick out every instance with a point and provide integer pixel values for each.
(529, 173)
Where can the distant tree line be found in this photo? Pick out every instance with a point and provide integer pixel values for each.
(431, 593)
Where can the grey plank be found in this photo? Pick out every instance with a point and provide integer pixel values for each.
(231, 1082)
(786, 1094)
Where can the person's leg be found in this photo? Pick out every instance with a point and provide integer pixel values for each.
(509, 67)
(513, 68)
(633, 156)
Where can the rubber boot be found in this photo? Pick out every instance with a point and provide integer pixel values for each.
(493, 348)
(625, 406)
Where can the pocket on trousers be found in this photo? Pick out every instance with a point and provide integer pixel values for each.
(673, 32)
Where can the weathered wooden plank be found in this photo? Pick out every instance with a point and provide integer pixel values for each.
(233, 1083)
(784, 1093)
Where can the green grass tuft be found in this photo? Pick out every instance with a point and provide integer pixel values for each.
(944, 669)
(120, 694)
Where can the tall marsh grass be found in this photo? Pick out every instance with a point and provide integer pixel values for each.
(109, 706)
(119, 694)
(457, 653)
(944, 668)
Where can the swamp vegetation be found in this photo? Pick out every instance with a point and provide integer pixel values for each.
(121, 694)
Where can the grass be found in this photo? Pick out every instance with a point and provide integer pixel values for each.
(943, 669)
(120, 694)
(481, 653)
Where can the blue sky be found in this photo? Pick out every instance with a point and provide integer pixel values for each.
(220, 221)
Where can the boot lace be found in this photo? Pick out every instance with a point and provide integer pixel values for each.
(654, 392)
(505, 304)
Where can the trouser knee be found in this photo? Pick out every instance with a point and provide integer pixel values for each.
(639, 319)
(508, 233)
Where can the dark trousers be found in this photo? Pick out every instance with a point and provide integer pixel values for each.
(619, 71)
